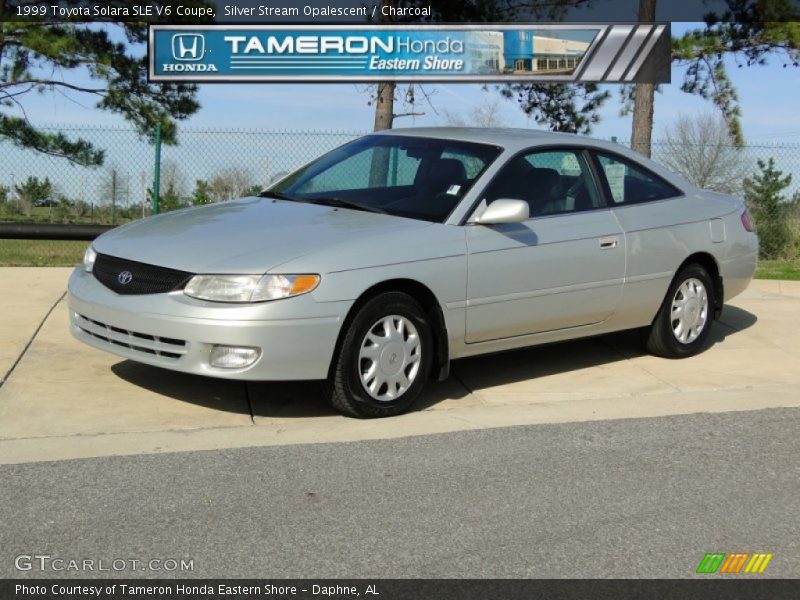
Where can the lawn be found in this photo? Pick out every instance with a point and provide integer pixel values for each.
(41, 253)
(778, 269)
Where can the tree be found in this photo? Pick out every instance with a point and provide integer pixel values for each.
(37, 56)
(173, 177)
(749, 31)
(384, 105)
(32, 190)
(571, 108)
(170, 200)
(481, 115)
(3, 194)
(115, 189)
(70, 211)
(115, 185)
(230, 183)
(763, 194)
(702, 150)
(644, 95)
(202, 193)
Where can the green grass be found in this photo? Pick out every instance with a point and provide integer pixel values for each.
(778, 269)
(41, 253)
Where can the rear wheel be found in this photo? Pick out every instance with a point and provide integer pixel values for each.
(384, 360)
(684, 321)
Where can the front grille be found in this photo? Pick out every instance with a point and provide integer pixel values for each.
(142, 278)
(143, 343)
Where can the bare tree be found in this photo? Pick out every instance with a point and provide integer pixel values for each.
(173, 178)
(394, 101)
(486, 114)
(231, 182)
(702, 149)
(115, 186)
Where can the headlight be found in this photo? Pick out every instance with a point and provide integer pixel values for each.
(88, 259)
(249, 288)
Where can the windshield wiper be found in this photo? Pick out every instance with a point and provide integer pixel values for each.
(339, 203)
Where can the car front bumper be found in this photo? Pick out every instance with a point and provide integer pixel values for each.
(296, 336)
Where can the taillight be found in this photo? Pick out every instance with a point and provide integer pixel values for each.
(746, 222)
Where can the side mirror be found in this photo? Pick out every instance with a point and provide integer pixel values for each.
(504, 210)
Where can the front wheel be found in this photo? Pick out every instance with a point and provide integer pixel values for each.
(684, 321)
(384, 359)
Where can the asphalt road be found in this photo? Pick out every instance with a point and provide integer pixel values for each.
(632, 498)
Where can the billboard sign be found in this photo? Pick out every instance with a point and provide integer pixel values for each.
(503, 53)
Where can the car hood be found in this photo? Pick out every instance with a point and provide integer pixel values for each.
(251, 235)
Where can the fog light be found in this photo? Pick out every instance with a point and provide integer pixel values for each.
(233, 357)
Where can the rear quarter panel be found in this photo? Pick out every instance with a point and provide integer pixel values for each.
(661, 235)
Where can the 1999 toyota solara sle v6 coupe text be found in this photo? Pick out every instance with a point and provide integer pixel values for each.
(375, 265)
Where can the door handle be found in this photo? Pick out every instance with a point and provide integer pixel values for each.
(607, 243)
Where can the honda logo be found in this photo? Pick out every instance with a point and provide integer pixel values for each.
(188, 46)
(125, 277)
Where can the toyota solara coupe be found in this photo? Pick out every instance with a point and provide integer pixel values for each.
(377, 264)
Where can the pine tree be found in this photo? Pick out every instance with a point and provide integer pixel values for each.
(36, 56)
(32, 190)
(768, 206)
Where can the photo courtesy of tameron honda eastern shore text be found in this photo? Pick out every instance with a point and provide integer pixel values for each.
(377, 264)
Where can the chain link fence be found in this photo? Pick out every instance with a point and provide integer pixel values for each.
(213, 165)
(766, 176)
(207, 165)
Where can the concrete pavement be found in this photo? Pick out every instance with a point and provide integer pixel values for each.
(28, 294)
(65, 400)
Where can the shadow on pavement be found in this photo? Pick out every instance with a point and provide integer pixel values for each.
(299, 399)
(208, 392)
(527, 364)
(733, 320)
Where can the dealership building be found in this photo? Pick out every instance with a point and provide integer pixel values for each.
(521, 51)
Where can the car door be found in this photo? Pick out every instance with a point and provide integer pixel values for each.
(561, 268)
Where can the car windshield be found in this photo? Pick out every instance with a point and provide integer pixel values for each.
(418, 178)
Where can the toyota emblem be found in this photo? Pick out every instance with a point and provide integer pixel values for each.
(125, 277)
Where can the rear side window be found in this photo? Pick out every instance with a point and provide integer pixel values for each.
(629, 183)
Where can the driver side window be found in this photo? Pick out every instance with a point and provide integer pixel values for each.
(552, 182)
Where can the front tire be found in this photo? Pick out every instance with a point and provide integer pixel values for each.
(684, 321)
(384, 360)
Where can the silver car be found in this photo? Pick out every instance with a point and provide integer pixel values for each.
(380, 262)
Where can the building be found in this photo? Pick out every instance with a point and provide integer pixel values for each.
(486, 51)
(524, 52)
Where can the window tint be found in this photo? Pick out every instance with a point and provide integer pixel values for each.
(373, 167)
(551, 182)
(472, 164)
(631, 184)
(420, 178)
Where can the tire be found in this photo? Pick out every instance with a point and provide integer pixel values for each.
(370, 370)
(671, 335)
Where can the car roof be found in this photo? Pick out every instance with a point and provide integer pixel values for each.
(508, 137)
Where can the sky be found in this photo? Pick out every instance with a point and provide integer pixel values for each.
(767, 95)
